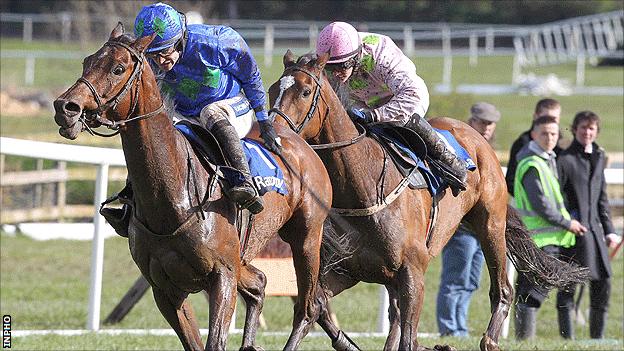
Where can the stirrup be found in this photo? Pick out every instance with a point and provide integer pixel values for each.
(247, 198)
(456, 184)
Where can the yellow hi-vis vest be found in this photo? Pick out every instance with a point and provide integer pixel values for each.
(545, 232)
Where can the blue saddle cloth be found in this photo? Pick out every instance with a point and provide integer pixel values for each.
(265, 172)
(435, 183)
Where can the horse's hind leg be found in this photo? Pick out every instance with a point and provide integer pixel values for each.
(333, 284)
(251, 286)
(489, 223)
(179, 313)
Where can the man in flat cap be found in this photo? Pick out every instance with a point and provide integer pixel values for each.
(462, 258)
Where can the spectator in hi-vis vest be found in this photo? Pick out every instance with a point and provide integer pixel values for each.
(540, 203)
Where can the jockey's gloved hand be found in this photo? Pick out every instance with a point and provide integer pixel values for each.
(271, 140)
(360, 116)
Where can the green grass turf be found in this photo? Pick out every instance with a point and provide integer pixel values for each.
(44, 285)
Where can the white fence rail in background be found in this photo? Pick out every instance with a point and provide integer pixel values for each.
(103, 158)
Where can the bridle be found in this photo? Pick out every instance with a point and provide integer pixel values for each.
(313, 107)
(92, 116)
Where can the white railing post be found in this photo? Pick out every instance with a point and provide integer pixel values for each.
(408, 41)
(580, 70)
(268, 45)
(97, 250)
(448, 58)
(29, 71)
(383, 324)
(28, 29)
(474, 49)
(489, 41)
(313, 33)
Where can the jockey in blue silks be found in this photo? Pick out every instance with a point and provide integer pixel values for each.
(214, 81)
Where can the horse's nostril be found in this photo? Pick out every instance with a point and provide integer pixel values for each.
(72, 109)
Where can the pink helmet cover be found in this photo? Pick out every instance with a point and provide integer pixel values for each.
(340, 39)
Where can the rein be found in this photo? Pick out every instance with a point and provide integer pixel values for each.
(313, 107)
(88, 117)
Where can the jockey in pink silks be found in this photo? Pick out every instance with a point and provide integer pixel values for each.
(385, 88)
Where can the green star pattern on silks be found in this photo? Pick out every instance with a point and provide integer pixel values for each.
(189, 88)
(357, 83)
(385, 87)
(211, 77)
(370, 39)
(159, 26)
(139, 28)
(373, 102)
(368, 63)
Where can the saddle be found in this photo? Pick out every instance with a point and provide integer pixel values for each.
(388, 136)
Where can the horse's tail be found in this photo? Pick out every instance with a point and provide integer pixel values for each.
(543, 269)
(335, 247)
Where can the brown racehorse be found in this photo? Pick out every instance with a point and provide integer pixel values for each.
(391, 240)
(176, 250)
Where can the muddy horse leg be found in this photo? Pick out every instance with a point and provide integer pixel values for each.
(251, 287)
(491, 229)
(410, 296)
(394, 315)
(179, 313)
(221, 302)
(333, 284)
(306, 259)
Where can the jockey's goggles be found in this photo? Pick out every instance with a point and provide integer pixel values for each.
(342, 66)
(162, 53)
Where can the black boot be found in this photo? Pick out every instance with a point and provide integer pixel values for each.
(566, 324)
(453, 169)
(597, 321)
(119, 218)
(525, 321)
(244, 193)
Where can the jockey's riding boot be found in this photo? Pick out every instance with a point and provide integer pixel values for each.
(566, 325)
(243, 193)
(453, 169)
(597, 321)
(119, 218)
(525, 321)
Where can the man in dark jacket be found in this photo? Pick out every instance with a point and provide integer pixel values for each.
(581, 175)
(544, 107)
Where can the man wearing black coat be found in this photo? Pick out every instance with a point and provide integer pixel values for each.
(581, 176)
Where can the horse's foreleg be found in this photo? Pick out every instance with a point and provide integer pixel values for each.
(179, 313)
(394, 315)
(306, 259)
(251, 287)
(222, 302)
(410, 291)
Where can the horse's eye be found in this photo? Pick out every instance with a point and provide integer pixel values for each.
(118, 70)
(306, 92)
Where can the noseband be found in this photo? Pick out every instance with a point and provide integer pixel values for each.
(95, 115)
(317, 92)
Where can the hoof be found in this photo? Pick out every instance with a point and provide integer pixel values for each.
(487, 344)
(444, 348)
(251, 348)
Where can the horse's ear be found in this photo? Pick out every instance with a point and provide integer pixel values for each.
(142, 43)
(117, 31)
(289, 59)
(322, 60)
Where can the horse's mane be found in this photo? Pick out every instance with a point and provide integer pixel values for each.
(342, 90)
